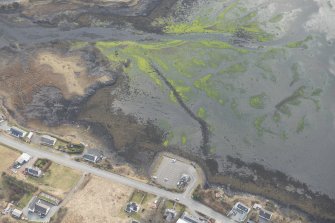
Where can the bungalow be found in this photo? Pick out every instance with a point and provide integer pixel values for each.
(239, 212)
(16, 214)
(24, 158)
(185, 218)
(132, 207)
(39, 207)
(169, 215)
(264, 215)
(34, 171)
(29, 136)
(18, 133)
(48, 140)
(93, 155)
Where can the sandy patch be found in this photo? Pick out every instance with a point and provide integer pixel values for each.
(100, 201)
(70, 68)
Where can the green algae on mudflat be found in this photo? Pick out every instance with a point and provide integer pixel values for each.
(276, 18)
(295, 73)
(276, 117)
(166, 143)
(299, 44)
(205, 84)
(181, 89)
(201, 113)
(183, 139)
(234, 108)
(145, 66)
(226, 21)
(258, 124)
(257, 101)
(235, 68)
(301, 124)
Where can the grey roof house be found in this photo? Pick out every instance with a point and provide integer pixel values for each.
(264, 215)
(34, 171)
(132, 207)
(48, 140)
(16, 213)
(239, 212)
(39, 207)
(16, 132)
(93, 155)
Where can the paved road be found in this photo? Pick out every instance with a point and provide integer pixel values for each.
(63, 160)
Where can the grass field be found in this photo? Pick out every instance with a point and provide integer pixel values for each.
(8, 156)
(57, 180)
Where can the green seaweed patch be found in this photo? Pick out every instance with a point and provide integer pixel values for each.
(301, 125)
(276, 18)
(283, 135)
(258, 124)
(168, 139)
(172, 97)
(276, 117)
(195, 26)
(257, 101)
(205, 84)
(234, 108)
(202, 112)
(166, 143)
(317, 92)
(222, 45)
(299, 44)
(183, 139)
(235, 68)
(228, 9)
(181, 89)
(272, 54)
(144, 65)
(295, 73)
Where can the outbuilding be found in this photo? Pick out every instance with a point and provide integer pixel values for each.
(16, 214)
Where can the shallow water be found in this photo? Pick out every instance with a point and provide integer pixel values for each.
(301, 144)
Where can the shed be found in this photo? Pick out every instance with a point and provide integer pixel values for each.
(30, 135)
(17, 213)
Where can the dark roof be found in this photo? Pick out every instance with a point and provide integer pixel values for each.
(94, 152)
(45, 139)
(16, 132)
(33, 171)
(265, 214)
(90, 157)
(32, 203)
(189, 220)
(132, 207)
(241, 207)
(42, 207)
